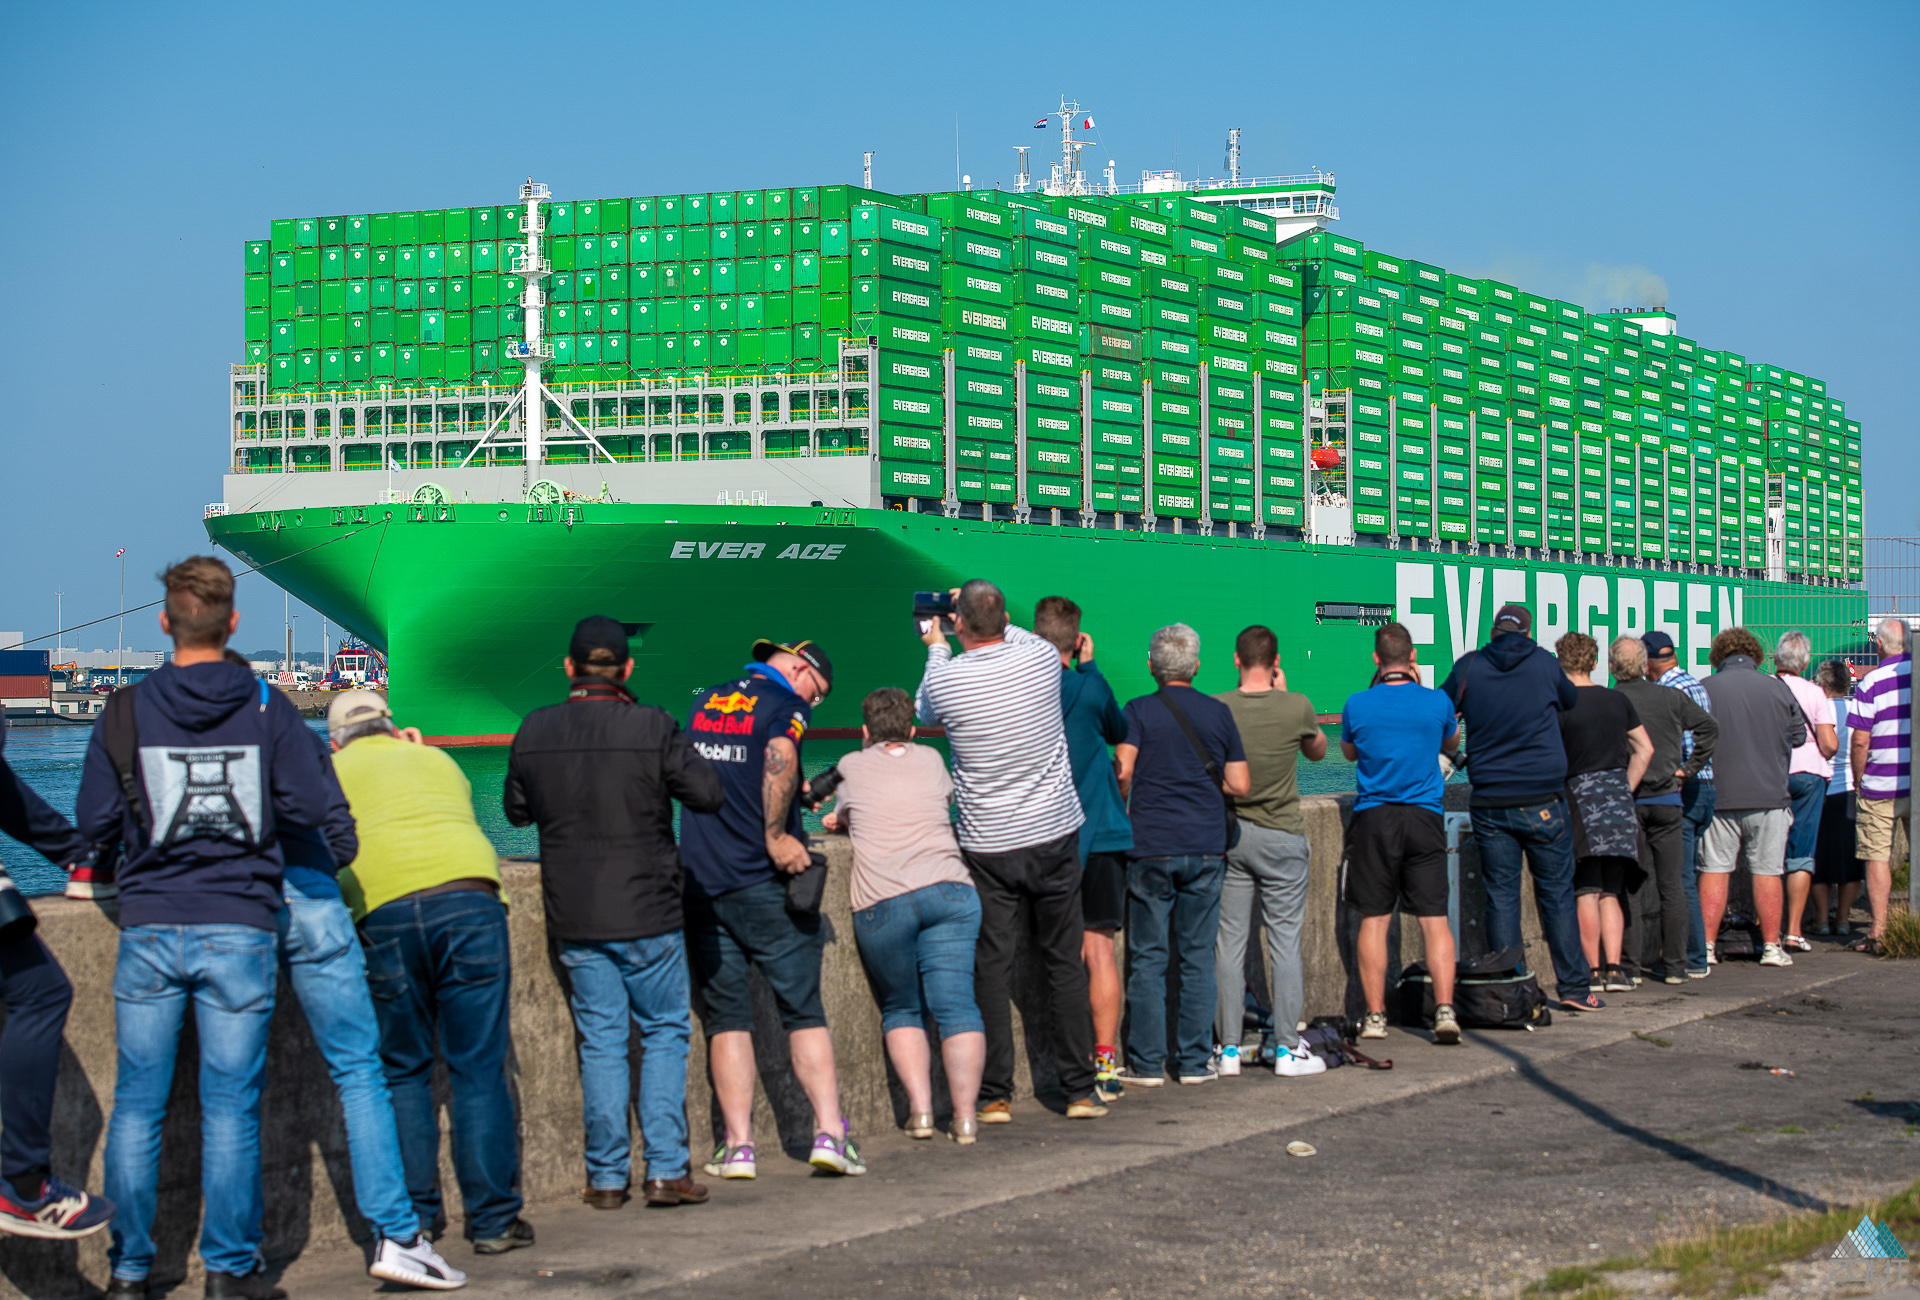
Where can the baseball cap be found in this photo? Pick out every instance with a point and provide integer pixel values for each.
(1517, 615)
(598, 632)
(816, 658)
(1657, 644)
(351, 707)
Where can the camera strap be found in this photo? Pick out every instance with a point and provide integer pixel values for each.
(1206, 759)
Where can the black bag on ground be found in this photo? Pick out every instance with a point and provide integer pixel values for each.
(1488, 993)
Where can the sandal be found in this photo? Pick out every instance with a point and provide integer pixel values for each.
(1867, 946)
(1795, 942)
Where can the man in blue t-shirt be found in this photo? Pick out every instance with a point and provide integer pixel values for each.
(738, 862)
(1396, 731)
(1181, 827)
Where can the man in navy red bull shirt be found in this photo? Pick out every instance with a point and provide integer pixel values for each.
(738, 862)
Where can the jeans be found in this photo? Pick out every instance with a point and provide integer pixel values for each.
(1545, 834)
(440, 966)
(614, 983)
(1048, 877)
(751, 929)
(1172, 899)
(227, 972)
(321, 954)
(918, 948)
(1696, 815)
(1808, 794)
(1660, 825)
(1269, 866)
(36, 995)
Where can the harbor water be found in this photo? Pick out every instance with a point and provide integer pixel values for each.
(49, 759)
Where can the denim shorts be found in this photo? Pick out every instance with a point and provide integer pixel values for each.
(752, 928)
(918, 948)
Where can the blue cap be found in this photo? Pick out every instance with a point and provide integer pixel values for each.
(1657, 644)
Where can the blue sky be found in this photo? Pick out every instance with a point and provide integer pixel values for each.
(1758, 159)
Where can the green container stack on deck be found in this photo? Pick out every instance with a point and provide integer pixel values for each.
(1539, 424)
(1170, 341)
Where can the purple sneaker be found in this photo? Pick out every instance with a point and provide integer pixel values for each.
(732, 1162)
(837, 1155)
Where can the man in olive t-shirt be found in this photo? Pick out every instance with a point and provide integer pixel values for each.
(1270, 862)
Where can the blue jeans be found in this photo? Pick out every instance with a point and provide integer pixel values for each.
(1808, 794)
(321, 954)
(227, 972)
(1172, 898)
(1698, 799)
(918, 947)
(36, 995)
(612, 984)
(1544, 834)
(440, 966)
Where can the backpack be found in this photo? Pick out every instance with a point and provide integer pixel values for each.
(1488, 993)
(1331, 1039)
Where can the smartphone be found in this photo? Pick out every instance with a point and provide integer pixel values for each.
(931, 605)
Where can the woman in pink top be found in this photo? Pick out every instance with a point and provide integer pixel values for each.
(916, 914)
(1807, 774)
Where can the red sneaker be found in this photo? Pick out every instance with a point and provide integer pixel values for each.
(92, 882)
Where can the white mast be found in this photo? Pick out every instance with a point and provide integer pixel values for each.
(528, 262)
(1233, 154)
(1067, 176)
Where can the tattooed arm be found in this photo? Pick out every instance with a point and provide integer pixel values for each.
(779, 782)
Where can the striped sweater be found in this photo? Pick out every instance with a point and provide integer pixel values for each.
(1883, 708)
(1000, 705)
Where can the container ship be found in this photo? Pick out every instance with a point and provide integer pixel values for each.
(780, 412)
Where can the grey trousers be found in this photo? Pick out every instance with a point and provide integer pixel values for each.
(1270, 866)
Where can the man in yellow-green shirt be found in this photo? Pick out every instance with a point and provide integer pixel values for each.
(425, 890)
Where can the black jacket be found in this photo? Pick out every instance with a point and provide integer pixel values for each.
(598, 774)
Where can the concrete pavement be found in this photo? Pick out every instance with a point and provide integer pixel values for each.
(1458, 1170)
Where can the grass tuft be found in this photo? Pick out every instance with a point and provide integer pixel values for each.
(1577, 1282)
(1721, 1262)
(1902, 937)
(1649, 1038)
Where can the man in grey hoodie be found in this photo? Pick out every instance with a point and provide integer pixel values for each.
(1760, 726)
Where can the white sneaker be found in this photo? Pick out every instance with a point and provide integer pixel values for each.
(1226, 1062)
(1774, 955)
(1207, 1075)
(418, 1265)
(1297, 1062)
(1375, 1025)
(1713, 956)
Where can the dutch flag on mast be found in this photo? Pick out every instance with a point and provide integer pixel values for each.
(1041, 125)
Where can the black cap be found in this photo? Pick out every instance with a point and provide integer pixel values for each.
(810, 651)
(598, 632)
(1657, 644)
(1516, 616)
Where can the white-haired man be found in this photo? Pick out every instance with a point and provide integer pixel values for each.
(1882, 758)
(1182, 754)
(1808, 772)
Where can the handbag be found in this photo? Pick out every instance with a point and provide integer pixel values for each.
(1213, 769)
(807, 889)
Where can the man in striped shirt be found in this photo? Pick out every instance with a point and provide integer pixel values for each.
(1019, 830)
(1882, 758)
(1697, 797)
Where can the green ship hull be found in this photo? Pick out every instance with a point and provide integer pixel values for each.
(473, 603)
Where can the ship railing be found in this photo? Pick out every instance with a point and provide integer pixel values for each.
(1218, 183)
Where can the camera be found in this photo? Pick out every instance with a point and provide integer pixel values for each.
(821, 788)
(929, 606)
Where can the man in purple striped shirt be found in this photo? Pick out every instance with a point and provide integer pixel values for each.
(1882, 757)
